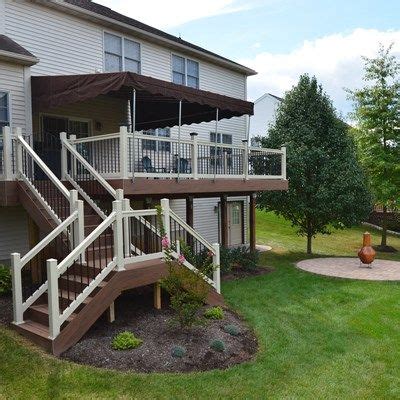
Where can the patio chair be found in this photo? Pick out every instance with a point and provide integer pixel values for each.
(184, 166)
(148, 167)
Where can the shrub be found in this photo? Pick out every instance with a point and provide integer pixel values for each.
(214, 313)
(232, 329)
(178, 351)
(125, 340)
(218, 345)
(226, 260)
(5, 280)
(238, 257)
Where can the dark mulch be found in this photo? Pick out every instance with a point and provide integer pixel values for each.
(6, 310)
(240, 273)
(135, 313)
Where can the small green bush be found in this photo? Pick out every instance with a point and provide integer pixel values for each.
(243, 257)
(232, 329)
(5, 280)
(214, 313)
(218, 345)
(125, 340)
(178, 351)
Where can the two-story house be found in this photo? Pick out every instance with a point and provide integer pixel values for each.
(102, 117)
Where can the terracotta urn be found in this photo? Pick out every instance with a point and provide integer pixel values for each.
(366, 253)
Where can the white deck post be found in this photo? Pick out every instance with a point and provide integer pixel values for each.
(123, 152)
(53, 300)
(73, 206)
(18, 155)
(283, 162)
(74, 169)
(245, 159)
(80, 226)
(7, 154)
(63, 137)
(178, 247)
(195, 155)
(217, 268)
(127, 243)
(17, 288)
(118, 236)
(166, 218)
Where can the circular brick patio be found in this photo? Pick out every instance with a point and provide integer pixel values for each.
(341, 267)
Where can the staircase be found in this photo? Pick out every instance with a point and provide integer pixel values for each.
(92, 252)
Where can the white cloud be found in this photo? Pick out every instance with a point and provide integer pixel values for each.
(335, 60)
(166, 14)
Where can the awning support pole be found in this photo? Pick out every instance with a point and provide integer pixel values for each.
(216, 141)
(133, 128)
(179, 138)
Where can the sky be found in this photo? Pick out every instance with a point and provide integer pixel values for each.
(281, 39)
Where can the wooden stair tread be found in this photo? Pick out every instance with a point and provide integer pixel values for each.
(64, 294)
(82, 279)
(145, 264)
(43, 308)
(35, 328)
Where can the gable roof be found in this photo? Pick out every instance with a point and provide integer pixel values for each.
(268, 95)
(106, 12)
(12, 51)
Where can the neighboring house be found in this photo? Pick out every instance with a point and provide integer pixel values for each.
(112, 135)
(264, 115)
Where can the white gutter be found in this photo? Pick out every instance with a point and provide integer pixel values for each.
(153, 37)
(19, 58)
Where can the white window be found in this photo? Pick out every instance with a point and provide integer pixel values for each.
(4, 109)
(157, 145)
(185, 71)
(121, 54)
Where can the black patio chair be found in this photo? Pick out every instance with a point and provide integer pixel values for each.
(184, 166)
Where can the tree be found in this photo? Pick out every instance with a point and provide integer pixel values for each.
(377, 112)
(326, 184)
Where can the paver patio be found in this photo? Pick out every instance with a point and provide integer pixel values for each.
(342, 267)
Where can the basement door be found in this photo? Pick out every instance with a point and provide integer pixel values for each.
(235, 223)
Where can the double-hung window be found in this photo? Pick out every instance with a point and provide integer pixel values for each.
(159, 145)
(224, 139)
(4, 109)
(121, 54)
(185, 71)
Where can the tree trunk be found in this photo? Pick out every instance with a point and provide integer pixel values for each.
(309, 243)
(384, 227)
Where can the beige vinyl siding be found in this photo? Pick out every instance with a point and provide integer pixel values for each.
(12, 81)
(13, 232)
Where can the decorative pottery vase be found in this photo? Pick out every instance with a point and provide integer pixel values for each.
(367, 253)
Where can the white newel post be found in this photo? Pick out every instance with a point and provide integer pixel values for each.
(123, 152)
(178, 247)
(18, 155)
(7, 154)
(17, 288)
(63, 137)
(80, 226)
(283, 149)
(73, 206)
(165, 217)
(53, 300)
(195, 155)
(118, 236)
(74, 164)
(217, 268)
(245, 159)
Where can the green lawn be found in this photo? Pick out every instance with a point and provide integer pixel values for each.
(319, 338)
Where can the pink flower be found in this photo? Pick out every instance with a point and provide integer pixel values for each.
(165, 242)
(210, 253)
(181, 259)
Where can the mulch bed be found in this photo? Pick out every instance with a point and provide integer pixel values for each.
(6, 310)
(135, 313)
(240, 273)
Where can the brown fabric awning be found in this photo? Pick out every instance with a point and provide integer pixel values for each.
(156, 100)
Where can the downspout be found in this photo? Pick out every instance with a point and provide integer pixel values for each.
(133, 128)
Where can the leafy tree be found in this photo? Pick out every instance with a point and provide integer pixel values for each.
(377, 112)
(326, 185)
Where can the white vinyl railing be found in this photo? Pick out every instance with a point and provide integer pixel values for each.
(118, 220)
(122, 155)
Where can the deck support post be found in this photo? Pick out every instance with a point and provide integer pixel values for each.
(252, 221)
(224, 221)
(189, 218)
(217, 268)
(165, 217)
(123, 152)
(74, 163)
(157, 296)
(17, 288)
(126, 206)
(53, 300)
(111, 313)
